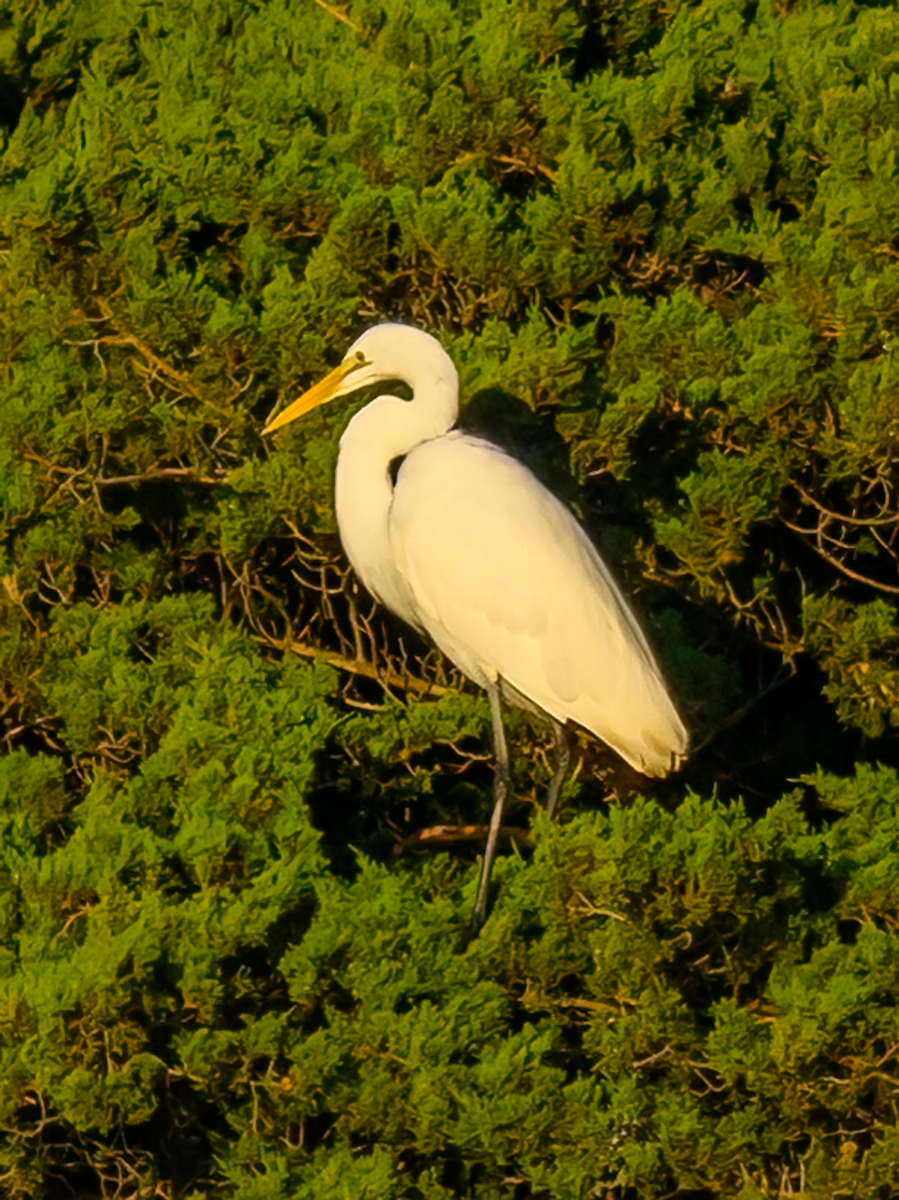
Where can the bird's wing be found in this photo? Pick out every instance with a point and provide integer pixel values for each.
(507, 584)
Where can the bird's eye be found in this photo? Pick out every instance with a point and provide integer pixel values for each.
(360, 358)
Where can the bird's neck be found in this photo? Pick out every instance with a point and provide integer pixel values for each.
(390, 427)
(385, 430)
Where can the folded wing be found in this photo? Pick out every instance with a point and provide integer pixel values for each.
(509, 586)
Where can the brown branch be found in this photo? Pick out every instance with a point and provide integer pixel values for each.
(162, 473)
(886, 545)
(842, 516)
(340, 14)
(124, 338)
(835, 562)
(438, 837)
(367, 670)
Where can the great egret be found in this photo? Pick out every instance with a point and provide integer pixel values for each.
(468, 547)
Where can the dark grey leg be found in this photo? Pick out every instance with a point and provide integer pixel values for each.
(500, 787)
(563, 758)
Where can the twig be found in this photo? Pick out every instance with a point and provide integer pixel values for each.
(368, 670)
(835, 562)
(162, 473)
(341, 16)
(842, 516)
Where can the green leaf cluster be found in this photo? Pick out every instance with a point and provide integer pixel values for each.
(658, 1000)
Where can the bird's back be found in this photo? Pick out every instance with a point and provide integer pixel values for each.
(508, 585)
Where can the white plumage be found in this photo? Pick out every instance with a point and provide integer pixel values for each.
(512, 589)
(471, 549)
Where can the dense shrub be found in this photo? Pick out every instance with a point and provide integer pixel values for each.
(660, 242)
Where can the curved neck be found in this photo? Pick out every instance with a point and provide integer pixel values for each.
(383, 431)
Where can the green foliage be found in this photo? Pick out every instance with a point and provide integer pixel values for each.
(857, 646)
(660, 244)
(656, 997)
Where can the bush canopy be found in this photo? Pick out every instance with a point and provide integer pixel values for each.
(241, 806)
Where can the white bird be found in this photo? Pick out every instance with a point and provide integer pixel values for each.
(469, 548)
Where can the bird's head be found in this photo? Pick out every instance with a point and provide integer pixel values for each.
(382, 353)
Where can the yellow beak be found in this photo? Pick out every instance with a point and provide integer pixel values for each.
(326, 389)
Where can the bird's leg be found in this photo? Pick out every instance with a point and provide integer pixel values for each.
(563, 758)
(500, 787)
